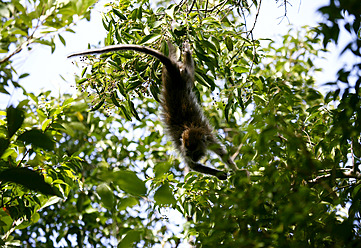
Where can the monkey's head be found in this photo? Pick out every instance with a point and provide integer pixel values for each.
(194, 143)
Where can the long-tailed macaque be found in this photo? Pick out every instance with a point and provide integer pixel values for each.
(185, 122)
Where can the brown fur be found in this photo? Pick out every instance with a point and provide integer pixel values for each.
(182, 115)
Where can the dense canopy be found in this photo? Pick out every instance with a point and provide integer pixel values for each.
(94, 169)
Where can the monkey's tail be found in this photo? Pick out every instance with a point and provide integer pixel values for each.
(166, 61)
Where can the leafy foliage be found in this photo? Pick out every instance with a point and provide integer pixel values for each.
(24, 23)
(116, 78)
(96, 170)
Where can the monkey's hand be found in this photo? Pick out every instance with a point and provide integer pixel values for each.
(221, 175)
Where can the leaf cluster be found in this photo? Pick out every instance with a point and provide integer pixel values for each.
(30, 22)
(114, 177)
(114, 79)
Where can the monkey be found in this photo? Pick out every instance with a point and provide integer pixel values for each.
(185, 122)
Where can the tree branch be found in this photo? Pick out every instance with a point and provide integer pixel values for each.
(340, 173)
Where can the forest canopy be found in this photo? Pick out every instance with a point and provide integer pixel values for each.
(95, 169)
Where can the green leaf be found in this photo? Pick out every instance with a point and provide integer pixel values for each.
(129, 182)
(120, 15)
(170, 11)
(240, 69)
(62, 39)
(154, 90)
(51, 201)
(127, 202)
(149, 39)
(133, 85)
(106, 27)
(164, 195)
(28, 178)
(129, 239)
(201, 80)
(19, 7)
(133, 110)
(44, 42)
(121, 90)
(140, 13)
(106, 195)
(229, 43)
(228, 108)
(23, 75)
(37, 138)
(15, 118)
(45, 124)
(356, 148)
(115, 100)
(82, 75)
(125, 113)
(4, 144)
(98, 105)
(209, 44)
(6, 221)
(80, 81)
(161, 168)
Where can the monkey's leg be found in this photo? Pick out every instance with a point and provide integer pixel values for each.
(207, 170)
(187, 55)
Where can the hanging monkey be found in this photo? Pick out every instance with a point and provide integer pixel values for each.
(185, 122)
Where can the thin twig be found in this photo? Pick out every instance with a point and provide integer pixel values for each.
(256, 17)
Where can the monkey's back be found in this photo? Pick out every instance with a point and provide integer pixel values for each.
(180, 107)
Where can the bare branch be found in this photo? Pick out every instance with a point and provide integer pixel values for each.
(256, 17)
(339, 173)
(284, 4)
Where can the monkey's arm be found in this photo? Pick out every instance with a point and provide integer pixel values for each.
(124, 47)
(218, 149)
(207, 170)
(222, 153)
